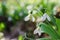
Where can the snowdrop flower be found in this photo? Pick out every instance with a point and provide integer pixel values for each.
(38, 30)
(33, 19)
(29, 17)
(48, 18)
(43, 18)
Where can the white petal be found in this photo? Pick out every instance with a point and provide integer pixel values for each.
(39, 33)
(48, 18)
(44, 17)
(36, 31)
(33, 19)
(27, 18)
(41, 19)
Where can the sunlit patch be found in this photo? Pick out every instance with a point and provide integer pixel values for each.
(2, 26)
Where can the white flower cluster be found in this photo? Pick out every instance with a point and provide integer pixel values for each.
(38, 20)
(41, 19)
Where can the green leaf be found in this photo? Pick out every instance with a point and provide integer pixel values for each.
(58, 24)
(49, 30)
(4, 9)
(53, 19)
(20, 37)
(2, 26)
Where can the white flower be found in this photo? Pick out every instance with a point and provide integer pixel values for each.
(33, 19)
(38, 30)
(48, 18)
(27, 18)
(43, 18)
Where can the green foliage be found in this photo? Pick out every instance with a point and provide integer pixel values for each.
(49, 30)
(20, 12)
(2, 26)
(20, 37)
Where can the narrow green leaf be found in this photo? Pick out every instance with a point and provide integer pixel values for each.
(20, 37)
(49, 30)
